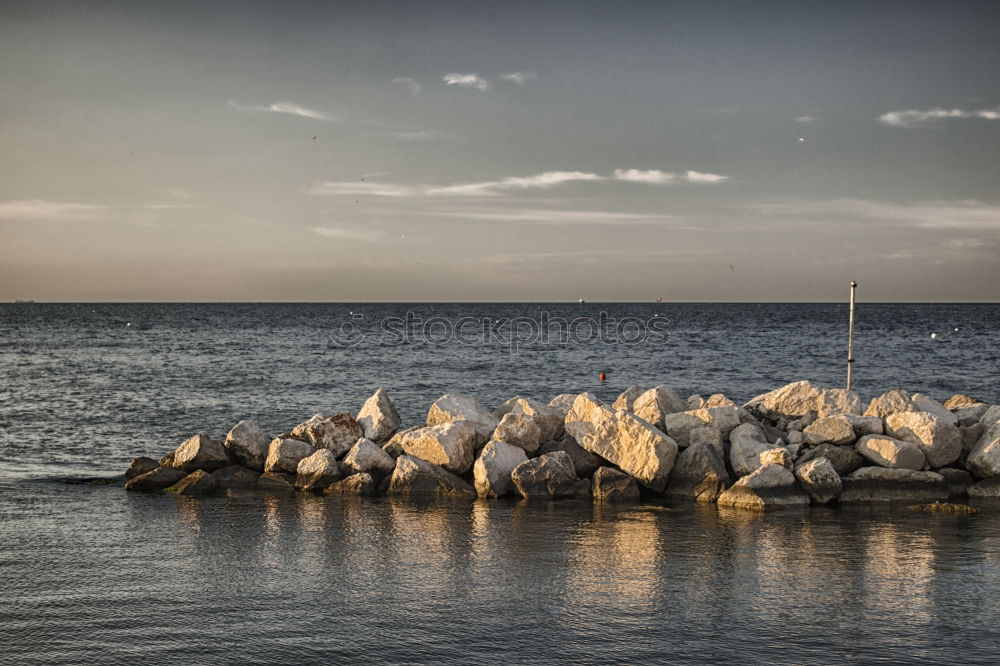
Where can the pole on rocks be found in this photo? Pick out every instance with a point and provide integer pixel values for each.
(850, 339)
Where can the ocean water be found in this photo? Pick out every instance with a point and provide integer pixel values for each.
(91, 574)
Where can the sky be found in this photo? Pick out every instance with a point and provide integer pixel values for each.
(499, 151)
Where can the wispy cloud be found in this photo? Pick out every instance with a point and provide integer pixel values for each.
(287, 108)
(410, 84)
(355, 188)
(37, 209)
(556, 217)
(520, 78)
(911, 118)
(704, 178)
(538, 181)
(651, 176)
(423, 135)
(470, 80)
(805, 119)
(340, 233)
(962, 214)
(541, 181)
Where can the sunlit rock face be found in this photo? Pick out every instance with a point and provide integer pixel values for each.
(769, 487)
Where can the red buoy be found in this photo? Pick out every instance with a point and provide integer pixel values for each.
(601, 376)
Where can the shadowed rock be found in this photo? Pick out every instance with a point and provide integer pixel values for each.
(360, 485)
(140, 466)
(843, 458)
(415, 477)
(247, 444)
(698, 474)
(820, 480)
(154, 480)
(984, 459)
(198, 482)
(881, 484)
(549, 476)
(770, 487)
(276, 481)
(746, 443)
(612, 485)
(584, 462)
(235, 477)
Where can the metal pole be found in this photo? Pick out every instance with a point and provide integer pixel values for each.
(850, 339)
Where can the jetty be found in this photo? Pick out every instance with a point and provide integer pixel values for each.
(795, 446)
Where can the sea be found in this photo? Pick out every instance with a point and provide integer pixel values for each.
(90, 574)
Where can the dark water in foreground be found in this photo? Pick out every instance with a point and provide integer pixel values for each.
(90, 574)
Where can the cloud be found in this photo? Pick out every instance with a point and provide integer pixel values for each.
(365, 188)
(470, 80)
(556, 217)
(287, 108)
(538, 181)
(520, 78)
(805, 119)
(413, 86)
(340, 233)
(704, 178)
(424, 135)
(911, 118)
(651, 176)
(961, 214)
(37, 209)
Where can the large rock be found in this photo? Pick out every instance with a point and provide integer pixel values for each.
(654, 404)
(770, 487)
(958, 480)
(157, 479)
(885, 451)
(549, 476)
(415, 477)
(779, 455)
(970, 435)
(378, 417)
(564, 401)
(971, 415)
(451, 445)
(940, 441)
(549, 419)
(710, 436)
(891, 402)
(796, 400)
(337, 433)
(925, 403)
(360, 485)
(366, 456)
(247, 444)
(284, 455)
(235, 477)
(699, 474)
(819, 479)
(985, 489)
(612, 485)
(864, 425)
(990, 416)
(843, 458)
(458, 407)
(746, 443)
(584, 462)
(881, 484)
(680, 424)
(276, 482)
(394, 447)
(984, 459)
(201, 452)
(519, 430)
(833, 429)
(317, 471)
(624, 439)
(198, 482)
(959, 401)
(627, 398)
(493, 467)
(139, 466)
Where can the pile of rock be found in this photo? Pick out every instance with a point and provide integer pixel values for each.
(794, 446)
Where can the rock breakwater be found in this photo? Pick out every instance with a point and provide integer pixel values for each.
(797, 445)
